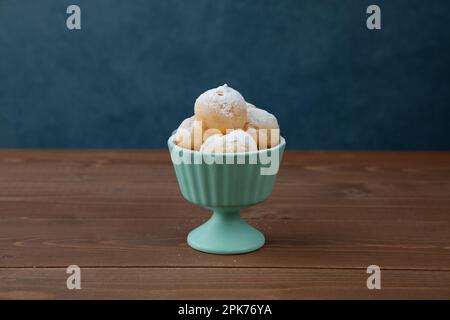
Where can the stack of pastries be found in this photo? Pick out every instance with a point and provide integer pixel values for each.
(223, 122)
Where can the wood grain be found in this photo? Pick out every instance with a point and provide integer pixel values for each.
(330, 216)
(221, 283)
(159, 242)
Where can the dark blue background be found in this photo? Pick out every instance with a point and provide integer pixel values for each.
(134, 70)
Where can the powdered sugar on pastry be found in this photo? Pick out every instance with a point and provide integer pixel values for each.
(189, 134)
(263, 127)
(239, 141)
(261, 119)
(235, 141)
(210, 143)
(221, 108)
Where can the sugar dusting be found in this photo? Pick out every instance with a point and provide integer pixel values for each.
(222, 99)
(261, 119)
(235, 141)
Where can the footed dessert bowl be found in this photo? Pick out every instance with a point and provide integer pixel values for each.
(225, 183)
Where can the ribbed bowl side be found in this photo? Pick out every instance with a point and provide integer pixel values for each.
(224, 185)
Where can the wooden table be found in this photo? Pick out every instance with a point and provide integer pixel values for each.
(119, 215)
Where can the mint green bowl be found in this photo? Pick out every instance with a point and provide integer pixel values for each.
(232, 182)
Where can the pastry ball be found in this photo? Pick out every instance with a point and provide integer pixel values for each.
(263, 127)
(235, 141)
(221, 108)
(212, 143)
(211, 132)
(239, 141)
(189, 134)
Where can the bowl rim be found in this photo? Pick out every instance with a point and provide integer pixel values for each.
(171, 144)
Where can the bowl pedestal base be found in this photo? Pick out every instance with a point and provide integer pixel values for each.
(226, 233)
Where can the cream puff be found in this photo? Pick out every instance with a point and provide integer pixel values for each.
(221, 108)
(235, 141)
(189, 134)
(263, 127)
